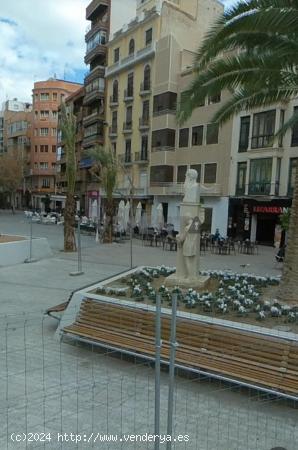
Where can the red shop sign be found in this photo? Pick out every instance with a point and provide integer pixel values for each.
(268, 209)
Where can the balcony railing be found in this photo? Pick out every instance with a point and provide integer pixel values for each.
(164, 111)
(141, 157)
(95, 27)
(259, 188)
(145, 89)
(91, 118)
(128, 95)
(99, 49)
(172, 188)
(263, 141)
(114, 101)
(113, 132)
(127, 127)
(164, 148)
(123, 64)
(95, 94)
(240, 190)
(144, 123)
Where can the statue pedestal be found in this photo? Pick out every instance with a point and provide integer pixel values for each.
(188, 267)
(197, 283)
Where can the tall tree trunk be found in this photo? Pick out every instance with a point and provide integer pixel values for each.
(69, 224)
(110, 215)
(288, 291)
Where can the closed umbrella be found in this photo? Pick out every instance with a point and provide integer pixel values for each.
(126, 215)
(121, 215)
(138, 214)
(159, 216)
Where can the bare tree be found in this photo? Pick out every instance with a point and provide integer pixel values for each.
(11, 174)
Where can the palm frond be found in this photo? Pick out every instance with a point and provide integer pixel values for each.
(289, 124)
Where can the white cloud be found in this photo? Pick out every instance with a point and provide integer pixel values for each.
(39, 38)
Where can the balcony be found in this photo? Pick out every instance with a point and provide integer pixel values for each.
(113, 132)
(93, 139)
(145, 89)
(97, 72)
(129, 61)
(98, 50)
(177, 189)
(94, 95)
(114, 102)
(92, 118)
(127, 127)
(264, 141)
(164, 111)
(144, 123)
(125, 159)
(141, 157)
(128, 95)
(95, 8)
(259, 188)
(163, 149)
(95, 27)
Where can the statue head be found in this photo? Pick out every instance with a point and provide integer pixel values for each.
(191, 176)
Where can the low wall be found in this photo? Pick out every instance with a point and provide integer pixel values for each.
(12, 253)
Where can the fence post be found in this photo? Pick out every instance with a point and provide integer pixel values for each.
(30, 259)
(158, 344)
(173, 345)
(79, 272)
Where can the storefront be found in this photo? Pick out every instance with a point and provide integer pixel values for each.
(256, 220)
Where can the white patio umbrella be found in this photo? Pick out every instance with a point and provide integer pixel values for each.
(159, 216)
(121, 215)
(138, 216)
(126, 215)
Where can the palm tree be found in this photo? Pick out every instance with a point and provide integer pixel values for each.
(67, 125)
(105, 169)
(252, 51)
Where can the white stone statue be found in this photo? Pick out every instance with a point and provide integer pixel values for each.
(188, 243)
(191, 187)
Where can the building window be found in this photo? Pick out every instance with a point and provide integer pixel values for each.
(260, 176)
(53, 165)
(35, 165)
(148, 37)
(165, 103)
(244, 134)
(55, 96)
(36, 148)
(44, 148)
(44, 131)
(55, 114)
(263, 129)
(130, 85)
(127, 151)
(294, 141)
(181, 172)
(54, 131)
(241, 178)
(114, 121)
(212, 133)
(197, 135)
(163, 140)
(36, 115)
(210, 171)
(183, 137)
(292, 176)
(44, 114)
(44, 96)
(129, 116)
(198, 168)
(114, 148)
(43, 165)
(46, 183)
(147, 78)
(146, 109)
(131, 47)
(144, 148)
(214, 99)
(116, 55)
(161, 174)
(115, 91)
(53, 148)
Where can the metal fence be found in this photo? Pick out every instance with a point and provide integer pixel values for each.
(66, 394)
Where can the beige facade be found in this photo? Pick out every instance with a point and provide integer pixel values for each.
(153, 50)
(262, 172)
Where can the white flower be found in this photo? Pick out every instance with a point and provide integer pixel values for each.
(242, 310)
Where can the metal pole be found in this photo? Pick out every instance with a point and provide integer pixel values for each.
(79, 272)
(158, 343)
(30, 259)
(97, 221)
(131, 230)
(173, 345)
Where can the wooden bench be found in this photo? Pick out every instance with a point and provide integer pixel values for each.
(245, 357)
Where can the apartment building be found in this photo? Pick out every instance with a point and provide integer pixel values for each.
(15, 138)
(263, 171)
(145, 60)
(47, 96)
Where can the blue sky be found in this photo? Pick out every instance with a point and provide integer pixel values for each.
(40, 38)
